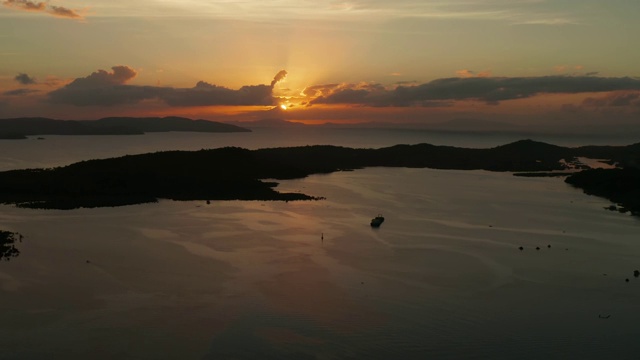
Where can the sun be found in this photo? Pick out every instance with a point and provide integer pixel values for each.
(283, 107)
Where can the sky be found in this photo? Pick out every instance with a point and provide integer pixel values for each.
(526, 62)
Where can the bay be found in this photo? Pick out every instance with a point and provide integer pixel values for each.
(442, 277)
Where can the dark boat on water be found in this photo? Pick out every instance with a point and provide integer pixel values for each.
(377, 221)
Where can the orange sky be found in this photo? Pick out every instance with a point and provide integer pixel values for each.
(407, 61)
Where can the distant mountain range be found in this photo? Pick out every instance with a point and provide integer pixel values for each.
(20, 128)
(238, 174)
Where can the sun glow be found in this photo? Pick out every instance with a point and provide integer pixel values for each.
(283, 107)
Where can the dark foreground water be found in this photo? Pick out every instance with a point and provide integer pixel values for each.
(442, 278)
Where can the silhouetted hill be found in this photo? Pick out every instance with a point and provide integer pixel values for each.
(235, 173)
(171, 123)
(22, 127)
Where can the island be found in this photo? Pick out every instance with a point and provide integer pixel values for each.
(8, 248)
(233, 173)
(21, 128)
(621, 186)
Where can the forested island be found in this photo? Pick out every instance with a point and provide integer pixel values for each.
(21, 128)
(8, 241)
(621, 186)
(235, 173)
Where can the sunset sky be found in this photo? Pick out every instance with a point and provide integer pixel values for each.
(410, 61)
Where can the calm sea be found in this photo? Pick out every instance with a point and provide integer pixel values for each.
(442, 278)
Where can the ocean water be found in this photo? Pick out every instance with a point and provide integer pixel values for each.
(442, 278)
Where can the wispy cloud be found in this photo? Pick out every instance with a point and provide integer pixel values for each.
(533, 12)
(43, 7)
(20, 92)
(548, 21)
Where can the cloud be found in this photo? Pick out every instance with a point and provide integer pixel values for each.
(19, 92)
(103, 88)
(560, 68)
(573, 70)
(58, 11)
(488, 89)
(315, 91)
(205, 94)
(279, 77)
(110, 88)
(25, 5)
(53, 81)
(24, 79)
(615, 99)
(547, 21)
(120, 75)
(464, 73)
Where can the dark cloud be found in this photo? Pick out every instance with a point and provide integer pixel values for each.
(19, 92)
(119, 75)
(279, 77)
(486, 89)
(63, 12)
(104, 88)
(109, 95)
(205, 94)
(24, 79)
(27, 5)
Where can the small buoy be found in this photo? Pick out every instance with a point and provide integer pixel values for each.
(521, 248)
(88, 262)
(626, 280)
(636, 273)
(549, 246)
(537, 247)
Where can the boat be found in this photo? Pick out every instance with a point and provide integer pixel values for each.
(376, 221)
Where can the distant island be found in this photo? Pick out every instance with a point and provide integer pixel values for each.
(21, 128)
(239, 174)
